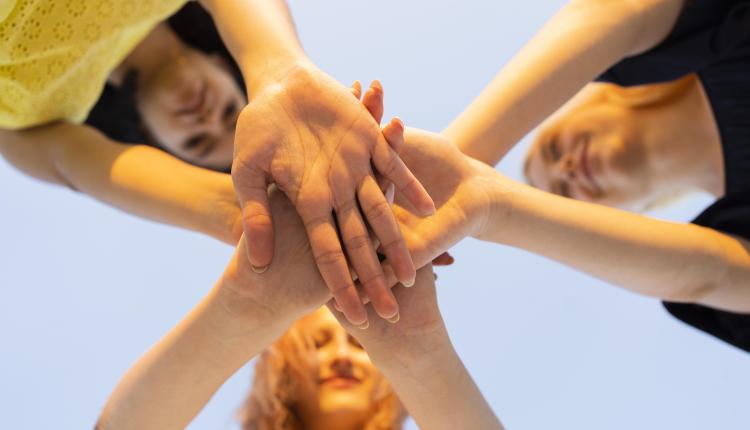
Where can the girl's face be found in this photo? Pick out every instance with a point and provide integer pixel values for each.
(190, 106)
(594, 153)
(342, 385)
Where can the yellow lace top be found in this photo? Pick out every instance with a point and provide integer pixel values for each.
(55, 55)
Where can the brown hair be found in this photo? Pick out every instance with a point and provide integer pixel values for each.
(271, 402)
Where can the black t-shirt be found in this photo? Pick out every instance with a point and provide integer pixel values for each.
(711, 39)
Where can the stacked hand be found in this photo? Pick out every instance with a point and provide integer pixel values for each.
(462, 189)
(318, 144)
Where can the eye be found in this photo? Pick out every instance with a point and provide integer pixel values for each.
(321, 338)
(554, 150)
(229, 111)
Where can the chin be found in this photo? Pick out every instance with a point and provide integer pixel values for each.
(344, 402)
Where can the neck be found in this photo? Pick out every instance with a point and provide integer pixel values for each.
(340, 421)
(160, 46)
(685, 145)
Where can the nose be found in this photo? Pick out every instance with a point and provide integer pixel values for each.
(566, 167)
(342, 361)
(206, 122)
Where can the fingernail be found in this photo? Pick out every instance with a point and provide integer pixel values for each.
(409, 283)
(259, 269)
(394, 319)
(364, 325)
(396, 120)
(390, 193)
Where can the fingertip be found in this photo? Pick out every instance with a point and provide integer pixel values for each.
(394, 319)
(376, 85)
(398, 122)
(260, 241)
(357, 89)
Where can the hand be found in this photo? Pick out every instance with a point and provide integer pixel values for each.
(418, 332)
(308, 135)
(288, 289)
(460, 186)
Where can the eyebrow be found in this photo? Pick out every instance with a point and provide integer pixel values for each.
(547, 149)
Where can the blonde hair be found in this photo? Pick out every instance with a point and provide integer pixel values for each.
(273, 396)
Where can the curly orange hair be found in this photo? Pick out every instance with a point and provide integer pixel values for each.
(270, 404)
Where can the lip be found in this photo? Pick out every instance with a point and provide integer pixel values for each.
(586, 169)
(340, 381)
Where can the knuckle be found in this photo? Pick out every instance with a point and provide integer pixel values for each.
(357, 242)
(409, 184)
(391, 166)
(339, 289)
(378, 210)
(258, 219)
(313, 222)
(394, 243)
(346, 206)
(329, 258)
(374, 281)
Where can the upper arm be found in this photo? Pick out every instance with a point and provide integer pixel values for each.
(657, 18)
(34, 152)
(59, 152)
(731, 291)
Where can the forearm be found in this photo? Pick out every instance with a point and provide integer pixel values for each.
(672, 261)
(581, 41)
(260, 35)
(173, 381)
(436, 388)
(137, 179)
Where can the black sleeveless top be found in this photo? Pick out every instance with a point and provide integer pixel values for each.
(711, 39)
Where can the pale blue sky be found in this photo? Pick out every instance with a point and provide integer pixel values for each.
(85, 289)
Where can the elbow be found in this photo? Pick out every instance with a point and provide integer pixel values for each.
(690, 291)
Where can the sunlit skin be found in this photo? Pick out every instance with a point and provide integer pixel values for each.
(188, 100)
(618, 148)
(339, 392)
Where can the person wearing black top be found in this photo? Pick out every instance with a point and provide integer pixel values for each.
(618, 158)
(696, 130)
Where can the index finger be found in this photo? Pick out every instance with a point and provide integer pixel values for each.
(331, 262)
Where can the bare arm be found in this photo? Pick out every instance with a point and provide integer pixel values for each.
(261, 37)
(671, 261)
(304, 132)
(244, 313)
(417, 358)
(172, 382)
(577, 44)
(135, 178)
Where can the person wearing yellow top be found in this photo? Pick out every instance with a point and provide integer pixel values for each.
(302, 131)
(55, 56)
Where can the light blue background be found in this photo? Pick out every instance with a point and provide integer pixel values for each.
(85, 289)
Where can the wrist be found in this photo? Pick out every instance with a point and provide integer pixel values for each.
(410, 353)
(419, 358)
(220, 213)
(261, 76)
(494, 201)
